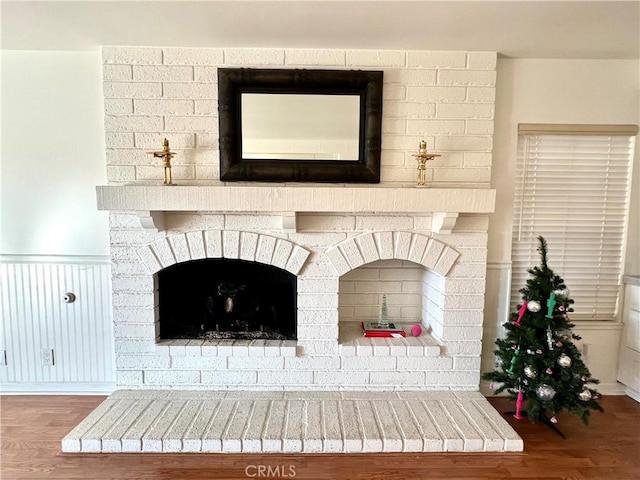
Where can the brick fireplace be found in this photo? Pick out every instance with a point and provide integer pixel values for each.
(423, 248)
(328, 389)
(342, 270)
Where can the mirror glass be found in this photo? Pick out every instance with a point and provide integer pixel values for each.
(300, 127)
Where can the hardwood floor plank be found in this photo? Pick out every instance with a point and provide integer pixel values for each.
(609, 448)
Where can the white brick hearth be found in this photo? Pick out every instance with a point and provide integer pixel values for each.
(292, 422)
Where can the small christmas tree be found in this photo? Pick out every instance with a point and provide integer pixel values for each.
(384, 312)
(539, 366)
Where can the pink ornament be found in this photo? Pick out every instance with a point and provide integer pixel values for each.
(558, 344)
(416, 330)
(521, 313)
(553, 420)
(549, 371)
(519, 402)
(539, 352)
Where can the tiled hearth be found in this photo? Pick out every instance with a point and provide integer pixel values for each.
(330, 389)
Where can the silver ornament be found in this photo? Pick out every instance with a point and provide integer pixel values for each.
(545, 392)
(564, 361)
(585, 395)
(533, 306)
(530, 372)
(549, 338)
(562, 292)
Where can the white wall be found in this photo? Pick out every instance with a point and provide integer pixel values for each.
(53, 239)
(552, 91)
(52, 154)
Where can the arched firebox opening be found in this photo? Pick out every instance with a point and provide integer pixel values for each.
(226, 299)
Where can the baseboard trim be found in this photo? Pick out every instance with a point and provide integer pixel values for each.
(630, 392)
(57, 388)
(611, 388)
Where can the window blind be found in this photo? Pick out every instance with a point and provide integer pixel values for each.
(573, 189)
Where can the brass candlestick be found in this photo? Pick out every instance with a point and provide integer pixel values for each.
(422, 157)
(166, 154)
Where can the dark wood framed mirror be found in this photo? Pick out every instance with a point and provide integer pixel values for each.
(298, 125)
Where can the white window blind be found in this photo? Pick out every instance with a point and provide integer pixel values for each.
(573, 189)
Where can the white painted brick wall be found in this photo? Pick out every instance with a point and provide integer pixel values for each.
(450, 306)
(316, 57)
(361, 291)
(193, 56)
(131, 55)
(447, 98)
(427, 94)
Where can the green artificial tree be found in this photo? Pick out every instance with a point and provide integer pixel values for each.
(537, 362)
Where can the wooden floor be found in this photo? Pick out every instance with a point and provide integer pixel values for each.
(609, 448)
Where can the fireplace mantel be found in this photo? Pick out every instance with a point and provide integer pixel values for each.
(150, 202)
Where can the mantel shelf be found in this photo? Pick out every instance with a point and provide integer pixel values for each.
(151, 201)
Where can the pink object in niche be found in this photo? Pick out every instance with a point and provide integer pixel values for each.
(416, 330)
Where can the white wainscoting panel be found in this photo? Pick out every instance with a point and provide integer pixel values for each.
(35, 317)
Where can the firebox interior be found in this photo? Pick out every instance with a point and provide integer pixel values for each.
(227, 298)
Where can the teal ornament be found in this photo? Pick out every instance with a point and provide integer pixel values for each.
(513, 361)
(551, 303)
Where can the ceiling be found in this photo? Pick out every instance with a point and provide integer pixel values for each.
(518, 29)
